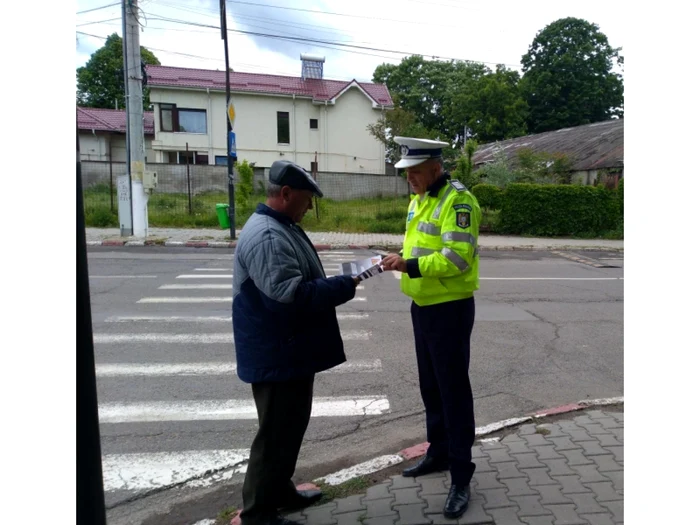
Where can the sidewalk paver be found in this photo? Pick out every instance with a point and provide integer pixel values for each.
(529, 477)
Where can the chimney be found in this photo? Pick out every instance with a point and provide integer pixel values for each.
(312, 66)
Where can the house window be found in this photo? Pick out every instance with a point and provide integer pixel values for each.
(314, 167)
(192, 120)
(283, 127)
(174, 119)
(313, 123)
(187, 157)
(168, 117)
(221, 160)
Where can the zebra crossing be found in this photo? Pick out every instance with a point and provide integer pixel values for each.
(166, 371)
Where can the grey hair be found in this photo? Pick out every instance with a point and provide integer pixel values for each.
(273, 190)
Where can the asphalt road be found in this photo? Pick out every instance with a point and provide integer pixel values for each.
(177, 423)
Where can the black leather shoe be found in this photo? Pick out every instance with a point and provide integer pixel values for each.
(302, 499)
(427, 465)
(457, 501)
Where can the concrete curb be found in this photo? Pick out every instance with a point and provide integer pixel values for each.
(329, 247)
(382, 462)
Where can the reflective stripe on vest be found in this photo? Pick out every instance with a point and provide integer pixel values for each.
(421, 252)
(455, 259)
(459, 237)
(436, 213)
(428, 228)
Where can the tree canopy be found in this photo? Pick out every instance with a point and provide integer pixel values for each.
(568, 78)
(101, 79)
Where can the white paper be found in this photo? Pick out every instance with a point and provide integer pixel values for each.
(363, 268)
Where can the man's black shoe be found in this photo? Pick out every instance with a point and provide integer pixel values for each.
(457, 501)
(427, 465)
(302, 499)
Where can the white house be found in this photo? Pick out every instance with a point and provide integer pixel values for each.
(304, 119)
(102, 134)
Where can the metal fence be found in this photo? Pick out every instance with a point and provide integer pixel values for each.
(187, 196)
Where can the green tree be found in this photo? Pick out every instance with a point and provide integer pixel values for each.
(244, 190)
(101, 79)
(393, 123)
(493, 107)
(425, 88)
(568, 78)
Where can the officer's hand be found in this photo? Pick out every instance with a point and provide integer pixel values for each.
(394, 261)
(356, 280)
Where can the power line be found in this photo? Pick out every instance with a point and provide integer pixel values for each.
(423, 23)
(98, 8)
(98, 22)
(316, 41)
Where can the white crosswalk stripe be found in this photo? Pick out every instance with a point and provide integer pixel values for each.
(214, 368)
(168, 329)
(210, 410)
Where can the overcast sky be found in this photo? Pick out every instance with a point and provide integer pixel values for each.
(488, 32)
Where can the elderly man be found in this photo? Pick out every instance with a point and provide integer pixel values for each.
(285, 330)
(440, 266)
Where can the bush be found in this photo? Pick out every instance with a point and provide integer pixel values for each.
(551, 210)
(488, 196)
(621, 198)
(101, 218)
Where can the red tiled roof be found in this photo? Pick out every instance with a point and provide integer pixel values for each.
(252, 82)
(110, 120)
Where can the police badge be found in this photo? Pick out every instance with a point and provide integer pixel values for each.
(463, 219)
(404, 150)
(463, 215)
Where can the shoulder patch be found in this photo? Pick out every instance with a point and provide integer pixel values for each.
(458, 185)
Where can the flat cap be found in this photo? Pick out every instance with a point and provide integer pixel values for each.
(286, 173)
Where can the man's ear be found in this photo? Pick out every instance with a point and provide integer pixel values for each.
(286, 192)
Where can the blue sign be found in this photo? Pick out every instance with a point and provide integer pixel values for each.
(232, 145)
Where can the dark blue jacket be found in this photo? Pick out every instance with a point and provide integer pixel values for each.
(284, 321)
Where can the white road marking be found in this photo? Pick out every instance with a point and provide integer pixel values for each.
(233, 409)
(213, 269)
(550, 278)
(334, 253)
(196, 287)
(171, 319)
(359, 299)
(396, 274)
(205, 276)
(362, 469)
(227, 337)
(203, 319)
(213, 368)
(123, 276)
(183, 300)
(144, 471)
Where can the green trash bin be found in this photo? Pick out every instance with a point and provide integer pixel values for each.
(222, 214)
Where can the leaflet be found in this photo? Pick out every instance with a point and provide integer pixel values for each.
(363, 268)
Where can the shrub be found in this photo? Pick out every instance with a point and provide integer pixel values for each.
(488, 196)
(551, 210)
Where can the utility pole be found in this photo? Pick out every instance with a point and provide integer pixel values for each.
(134, 111)
(126, 228)
(230, 136)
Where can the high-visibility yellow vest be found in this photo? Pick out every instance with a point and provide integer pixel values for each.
(441, 244)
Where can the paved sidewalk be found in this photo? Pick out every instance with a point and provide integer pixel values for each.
(218, 238)
(566, 472)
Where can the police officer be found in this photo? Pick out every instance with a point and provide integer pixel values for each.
(440, 265)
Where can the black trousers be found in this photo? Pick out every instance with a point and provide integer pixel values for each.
(442, 334)
(284, 410)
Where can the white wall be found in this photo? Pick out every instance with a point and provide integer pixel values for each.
(96, 147)
(341, 135)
